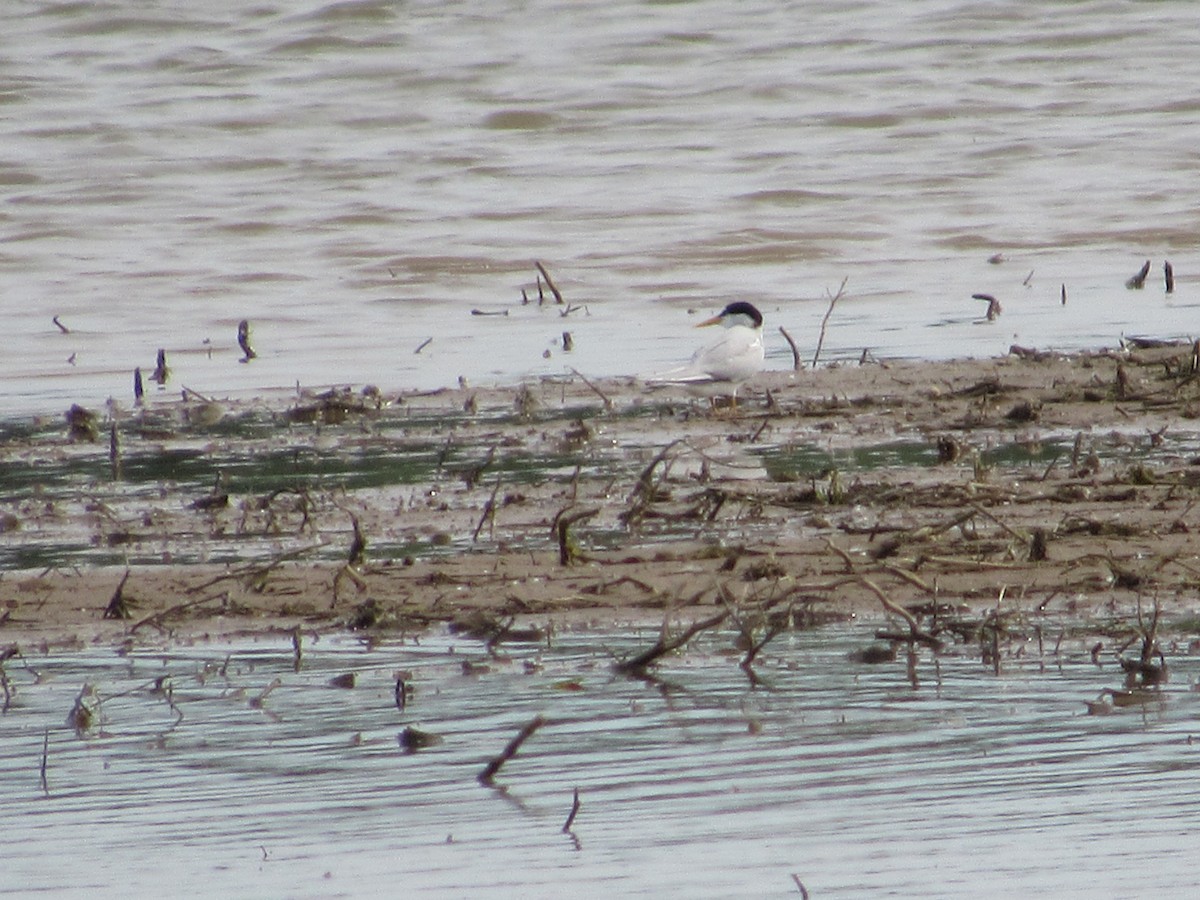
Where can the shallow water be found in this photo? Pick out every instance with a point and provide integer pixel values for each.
(842, 774)
(356, 177)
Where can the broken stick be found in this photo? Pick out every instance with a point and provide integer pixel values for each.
(510, 750)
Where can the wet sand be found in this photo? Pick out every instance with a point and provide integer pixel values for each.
(1031, 488)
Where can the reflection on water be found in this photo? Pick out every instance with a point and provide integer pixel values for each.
(840, 773)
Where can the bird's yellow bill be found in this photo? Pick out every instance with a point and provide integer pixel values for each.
(715, 320)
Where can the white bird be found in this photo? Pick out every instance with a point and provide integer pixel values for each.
(719, 369)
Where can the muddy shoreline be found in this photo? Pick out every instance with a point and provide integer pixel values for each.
(1052, 490)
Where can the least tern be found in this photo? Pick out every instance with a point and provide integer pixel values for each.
(719, 369)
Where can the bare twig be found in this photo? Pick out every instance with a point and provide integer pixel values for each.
(1138, 281)
(755, 645)
(489, 512)
(114, 451)
(161, 370)
(608, 404)
(358, 544)
(642, 494)
(45, 761)
(825, 321)
(118, 606)
(993, 306)
(156, 618)
(575, 804)
(637, 665)
(558, 297)
(567, 553)
(846, 560)
(510, 750)
(797, 365)
(243, 339)
(916, 635)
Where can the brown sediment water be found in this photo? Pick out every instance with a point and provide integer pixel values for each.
(354, 179)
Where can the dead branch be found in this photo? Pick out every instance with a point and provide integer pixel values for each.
(567, 551)
(489, 513)
(358, 544)
(558, 297)
(846, 560)
(916, 635)
(643, 491)
(825, 321)
(155, 619)
(775, 624)
(243, 339)
(608, 404)
(797, 364)
(1138, 281)
(979, 510)
(118, 606)
(912, 578)
(254, 572)
(575, 804)
(45, 761)
(637, 665)
(510, 750)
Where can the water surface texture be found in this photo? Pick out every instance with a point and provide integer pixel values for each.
(355, 178)
(258, 780)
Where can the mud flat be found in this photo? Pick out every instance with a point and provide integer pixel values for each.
(1038, 492)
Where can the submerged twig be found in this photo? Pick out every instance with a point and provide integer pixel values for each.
(45, 761)
(1138, 281)
(993, 306)
(161, 370)
(575, 804)
(243, 339)
(637, 665)
(510, 750)
(916, 635)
